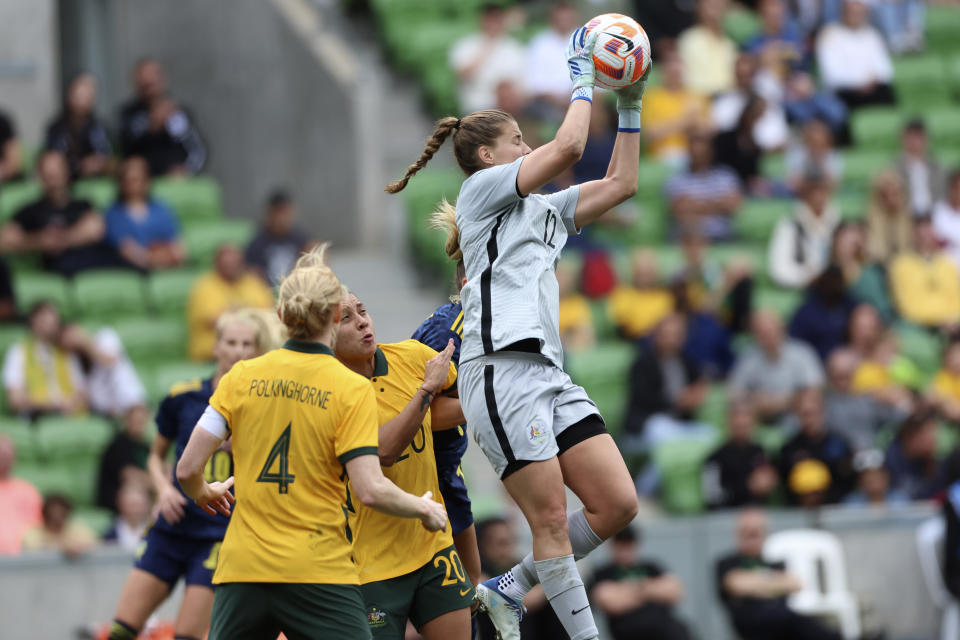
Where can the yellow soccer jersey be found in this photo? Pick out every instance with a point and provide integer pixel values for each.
(296, 416)
(385, 546)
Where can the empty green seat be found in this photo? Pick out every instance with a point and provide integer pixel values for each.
(920, 347)
(15, 195)
(101, 192)
(942, 27)
(852, 205)
(877, 128)
(109, 294)
(73, 437)
(75, 481)
(943, 125)
(24, 438)
(153, 339)
(31, 287)
(191, 198)
(169, 289)
(783, 301)
(680, 464)
(603, 372)
(773, 166)
(860, 166)
(921, 81)
(758, 216)
(202, 238)
(11, 334)
(740, 24)
(770, 438)
(166, 376)
(713, 411)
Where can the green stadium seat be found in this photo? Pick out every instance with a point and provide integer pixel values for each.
(191, 198)
(770, 438)
(109, 294)
(943, 125)
(920, 347)
(101, 192)
(680, 464)
(782, 301)
(860, 166)
(740, 24)
(169, 289)
(714, 408)
(165, 376)
(75, 481)
(921, 81)
(11, 334)
(99, 520)
(852, 205)
(943, 25)
(602, 323)
(72, 437)
(151, 340)
(949, 158)
(24, 437)
(757, 218)
(603, 372)
(15, 195)
(202, 238)
(31, 287)
(877, 128)
(774, 166)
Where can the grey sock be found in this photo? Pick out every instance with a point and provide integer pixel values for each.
(564, 590)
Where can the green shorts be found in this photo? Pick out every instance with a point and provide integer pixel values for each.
(436, 588)
(257, 610)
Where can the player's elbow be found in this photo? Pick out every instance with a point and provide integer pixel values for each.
(186, 472)
(625, 188)
(368, 494)
(570, 148)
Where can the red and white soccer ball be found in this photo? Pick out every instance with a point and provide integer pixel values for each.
(622, 52)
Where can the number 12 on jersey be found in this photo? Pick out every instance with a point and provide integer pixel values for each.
(280, 455)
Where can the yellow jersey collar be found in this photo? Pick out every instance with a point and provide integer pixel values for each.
(306, 346)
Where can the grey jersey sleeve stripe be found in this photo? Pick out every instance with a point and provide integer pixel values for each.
(486, 298)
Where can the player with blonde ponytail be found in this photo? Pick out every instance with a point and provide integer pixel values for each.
(301, 424)
(538, 429)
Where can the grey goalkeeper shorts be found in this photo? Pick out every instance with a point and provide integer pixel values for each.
(518, 405)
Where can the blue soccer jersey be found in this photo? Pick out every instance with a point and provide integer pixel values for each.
(176, 418)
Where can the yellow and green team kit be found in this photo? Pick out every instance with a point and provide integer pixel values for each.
(296, 416)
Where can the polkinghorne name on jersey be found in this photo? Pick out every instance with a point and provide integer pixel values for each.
(291, 389)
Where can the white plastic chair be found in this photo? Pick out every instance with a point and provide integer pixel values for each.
(930, 540)
(816, 559)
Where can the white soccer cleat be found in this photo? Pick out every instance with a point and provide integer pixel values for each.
(505, 613)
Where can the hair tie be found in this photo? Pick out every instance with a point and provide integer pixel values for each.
(457, 126)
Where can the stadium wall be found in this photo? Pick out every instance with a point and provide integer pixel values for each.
(46, 596)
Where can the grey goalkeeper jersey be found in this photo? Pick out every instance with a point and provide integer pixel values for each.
(511, 245)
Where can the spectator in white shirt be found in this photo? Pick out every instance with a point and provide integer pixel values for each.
(770, 132)
(800, 244)
(946, 218)
(853, 59)
(112, 383)
(484, 61)
(921, 173)
(548, 79)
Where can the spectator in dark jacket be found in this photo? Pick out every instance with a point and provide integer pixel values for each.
(912, 457)
(279, 241)
(822, 320)
(11, 153)
(8, 299)
(125, 456)
(79, 134)
(152, 125)
(739, 472)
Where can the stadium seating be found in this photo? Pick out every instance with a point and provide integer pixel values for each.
(680, 483)
(31, 287)
(77, 481)
(604, 372)
(153, 340)
(168, 290)
(192, 199)
(758, 216)
(62, 438)
(921, 82)
(877, 128)
(110, 294)
(202, 238)
(15, 195)
(24, 438)
(101, 192)
(167, 375)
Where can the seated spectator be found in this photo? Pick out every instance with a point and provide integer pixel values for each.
(738, 148)
(945, 389)
(707, 52)
(576, 317)
(143, 230)
(822, 319)
(768, 127)
(920, 173)
(666, 390)
(878, 358)
(770, 372)
(637, 596)
(754, 591)
(68, 234)
(484, 60)
(858, 417)
(133, 515)
(230, 285)
(111, 381)
(951, 516)
(20, 502)
(815, 154)
(800, 245)
(705, 197)
(78, 134)
(279, 241)
(902, 23)
(724, 291)
(865, 281)
(816, 465)
(8, 299)
(155, 127)
(636, 309)
(738, 472)
(786, 69)
(59, 530)
(873, 482)
(889, 219)
(924, 282)
(946, 218)
(670, 111)
(39, 376)
(124, 458)
(11, 153)
(912, 459)
(548, 79)
(853, 59)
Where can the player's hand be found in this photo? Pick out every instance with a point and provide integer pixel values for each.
(580, 57)
(437, 369)
(216, 497)
(171, 503)
(631, 96)
(434, 517)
